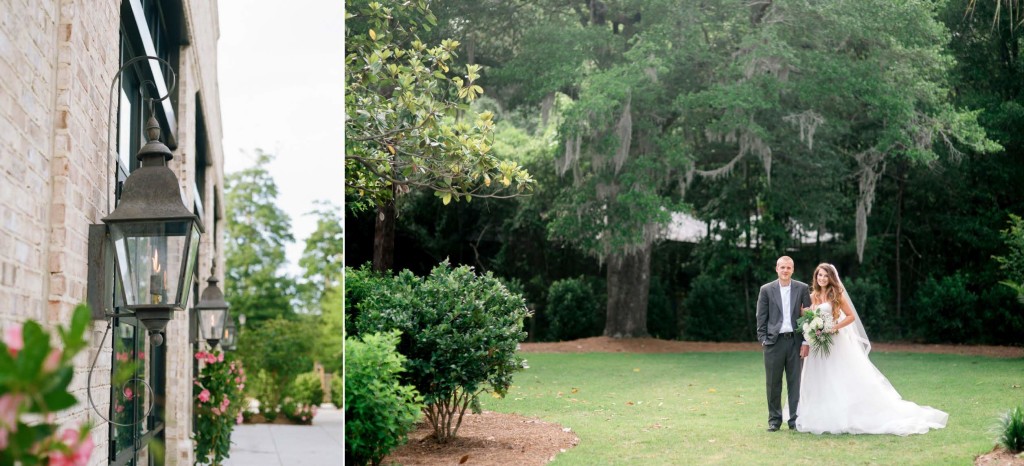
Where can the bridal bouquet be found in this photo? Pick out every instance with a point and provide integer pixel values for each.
(817, 325)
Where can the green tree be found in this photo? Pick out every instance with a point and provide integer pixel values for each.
(323, 258)
(1012, 264)
(257, 232)
(274, 354)
(406, 125)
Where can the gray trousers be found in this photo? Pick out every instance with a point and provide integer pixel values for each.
(782, 357)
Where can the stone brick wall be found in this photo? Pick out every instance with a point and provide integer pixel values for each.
(57, 59)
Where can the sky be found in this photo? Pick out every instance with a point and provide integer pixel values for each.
(281, 90)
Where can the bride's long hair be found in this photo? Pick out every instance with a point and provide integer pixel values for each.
(832, 292)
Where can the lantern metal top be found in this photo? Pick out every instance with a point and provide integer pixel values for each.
(212, 297)
(152, 193)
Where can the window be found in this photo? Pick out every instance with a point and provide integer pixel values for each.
(138, 370)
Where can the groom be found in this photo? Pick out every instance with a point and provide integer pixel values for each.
(778, 308)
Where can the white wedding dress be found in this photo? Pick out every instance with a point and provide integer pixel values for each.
(845, 393)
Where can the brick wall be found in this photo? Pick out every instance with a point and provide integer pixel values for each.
(57, 59)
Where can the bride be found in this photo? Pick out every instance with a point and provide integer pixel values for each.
(844, 392)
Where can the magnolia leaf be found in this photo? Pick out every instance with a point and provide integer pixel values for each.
(373, 35)
(446, 198)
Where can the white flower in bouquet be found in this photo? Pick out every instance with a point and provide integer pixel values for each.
(817, 326)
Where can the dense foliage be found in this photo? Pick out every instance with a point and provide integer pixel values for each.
(34, 380)
(881, 136)
(275, 354)
(459, 333)
(379, 409)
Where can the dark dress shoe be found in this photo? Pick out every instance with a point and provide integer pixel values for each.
(792, 426)
(773, 428)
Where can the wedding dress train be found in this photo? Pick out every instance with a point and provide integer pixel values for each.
(845, 393)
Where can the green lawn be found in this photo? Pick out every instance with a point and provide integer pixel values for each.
(710, 408)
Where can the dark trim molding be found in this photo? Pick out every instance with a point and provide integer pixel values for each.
(137, 20)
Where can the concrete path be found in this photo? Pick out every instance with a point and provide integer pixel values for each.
(285, 445)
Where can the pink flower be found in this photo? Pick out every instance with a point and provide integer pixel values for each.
(200, 356)
(80, 445)
(216, 412)
(52, 362)
(128, 393)
(204, 395)
(119, 409)
(9, 404)
(241, 387)
(12, 338)
(238, 380)
(239, 419)
(123, 356)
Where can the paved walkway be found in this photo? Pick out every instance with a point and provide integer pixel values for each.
(288, 445)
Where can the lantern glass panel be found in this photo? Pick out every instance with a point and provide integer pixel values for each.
(155, 260)
(211, 323)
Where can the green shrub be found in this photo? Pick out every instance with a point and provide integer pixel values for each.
(298, 412)
(260, 388)
(360, 283)
(460, 333)
(1011, 430)
(1012, 264)
(1001, 316)
(379, 411)
(306, 389)
(662, 321)
(940, 308)
(337, 391)
(575, 309)
(872, 301)
(278, 351)
(714, 311)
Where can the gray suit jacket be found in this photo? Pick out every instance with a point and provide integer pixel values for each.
(769, 309)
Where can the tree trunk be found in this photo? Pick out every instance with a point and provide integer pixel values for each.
(384, 238)
(901, 177)
(629, 282)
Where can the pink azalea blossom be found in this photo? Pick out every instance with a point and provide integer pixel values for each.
(204, 395)
(80, 446)
(119, 409)
(216, 411)
(52, 362)
(9, 404)
(239, 419)
(12, 338)
(128, 393)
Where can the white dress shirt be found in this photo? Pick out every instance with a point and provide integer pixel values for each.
(787, 313)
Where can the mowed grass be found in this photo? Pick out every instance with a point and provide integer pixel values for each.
(710, 408)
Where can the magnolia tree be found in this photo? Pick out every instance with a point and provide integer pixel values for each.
(406, 125)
